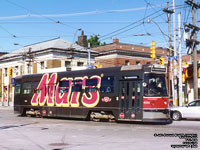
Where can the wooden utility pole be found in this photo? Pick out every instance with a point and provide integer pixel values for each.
(171, 78)
(194, 55)
(194, 41)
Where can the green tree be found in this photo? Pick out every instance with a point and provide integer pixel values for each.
(94, 41)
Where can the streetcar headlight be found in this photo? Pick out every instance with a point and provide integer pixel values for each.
(165, 102)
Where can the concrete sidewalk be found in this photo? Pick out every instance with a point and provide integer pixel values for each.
(6, 107)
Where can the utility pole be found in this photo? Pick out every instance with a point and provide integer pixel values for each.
(89, 55)
(171, 78)
(175, 56)
(193, 26)
(195, 55)
(180, 62)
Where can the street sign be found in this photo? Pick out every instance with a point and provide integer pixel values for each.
(175, 57)
(13, 81)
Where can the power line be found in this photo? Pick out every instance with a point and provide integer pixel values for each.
(44, 16)
(127, 26)
(131, 24)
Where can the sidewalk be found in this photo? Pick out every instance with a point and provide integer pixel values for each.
(6, 107)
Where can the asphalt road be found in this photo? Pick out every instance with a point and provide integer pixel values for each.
(29, 133)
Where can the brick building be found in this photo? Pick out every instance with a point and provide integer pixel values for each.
(117, 54)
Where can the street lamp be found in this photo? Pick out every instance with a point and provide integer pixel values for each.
(23, 57)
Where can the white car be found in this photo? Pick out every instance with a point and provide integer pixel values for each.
(189, 111)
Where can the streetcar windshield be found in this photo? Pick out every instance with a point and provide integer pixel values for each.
(155, 85)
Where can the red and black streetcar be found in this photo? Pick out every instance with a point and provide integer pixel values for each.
(126, 93)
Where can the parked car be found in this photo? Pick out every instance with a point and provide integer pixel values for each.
(189, 111)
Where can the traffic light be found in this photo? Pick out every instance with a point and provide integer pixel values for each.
(10, 71)
(153, 50)
(162, 61)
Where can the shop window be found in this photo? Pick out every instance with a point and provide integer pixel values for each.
(80, 63)
(42, 64)
(16, 70)
(67, 64)
(6, 72)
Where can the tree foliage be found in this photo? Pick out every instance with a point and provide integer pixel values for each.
(94, 41)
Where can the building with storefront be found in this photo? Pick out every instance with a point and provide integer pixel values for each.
(48, 56)
(187, 73)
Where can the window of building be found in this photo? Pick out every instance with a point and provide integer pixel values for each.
(80, 63)
(67, 64)
(127, 63)
(29, 68)
(16, 71)
(137, 62)
(42, 64)
(6, 72)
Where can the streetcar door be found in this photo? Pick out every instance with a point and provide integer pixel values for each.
(130, 98)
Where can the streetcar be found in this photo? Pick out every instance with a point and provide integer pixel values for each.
(125, 93)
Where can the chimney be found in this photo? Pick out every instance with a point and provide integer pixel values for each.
(115, 40)
(82, 40)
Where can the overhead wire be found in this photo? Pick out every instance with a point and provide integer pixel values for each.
(45, 16)
(124, 29)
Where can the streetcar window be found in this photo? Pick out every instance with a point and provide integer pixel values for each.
(26, 88)
(63, 90)
(17, 88)
(34, 85)
(77, 88)
(91, 82)
(77, 81)
(64, 84)
(90, 89)
(156, 85)
(107, 84)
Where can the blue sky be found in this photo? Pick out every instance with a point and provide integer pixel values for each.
(30, 21)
